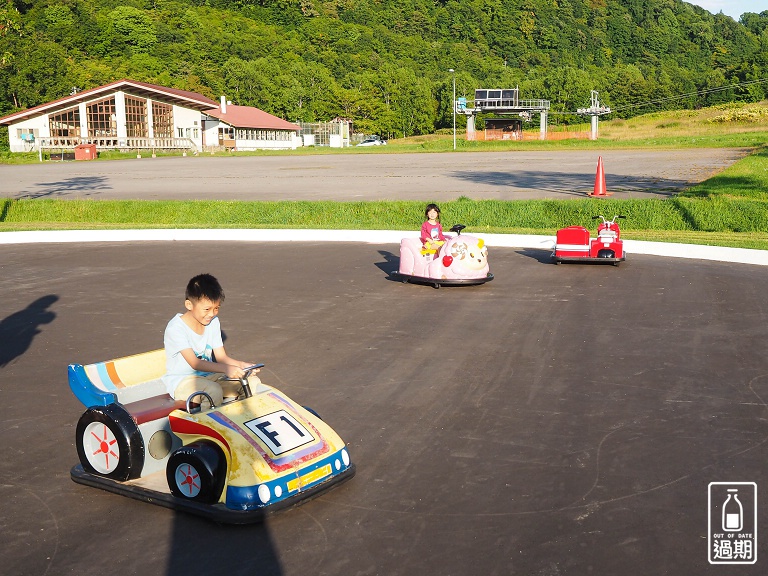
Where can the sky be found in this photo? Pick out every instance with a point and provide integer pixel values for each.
(733, 8)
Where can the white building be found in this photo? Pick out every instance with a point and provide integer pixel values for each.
(248, 128)
(131, 115)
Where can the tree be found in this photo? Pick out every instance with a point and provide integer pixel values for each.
(40, 71)
(128, 30)
(10, 26)
(381, 62)
(309, 92)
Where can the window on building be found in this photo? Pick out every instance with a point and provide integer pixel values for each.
(27, 134)
(101, 118)
(136, 125)
(226, 135)
(162, 120)
(65, 124)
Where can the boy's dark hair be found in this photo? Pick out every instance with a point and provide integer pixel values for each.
(432, 207)
(204, 286)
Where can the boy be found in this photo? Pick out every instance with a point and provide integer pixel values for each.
(195, 358)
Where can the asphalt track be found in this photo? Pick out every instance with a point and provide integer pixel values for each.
(558, 420)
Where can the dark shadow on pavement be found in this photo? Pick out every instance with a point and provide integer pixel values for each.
(391, 262)
(77, 186)
(19, 329)
(573, 184)
(203, 547)
(390, 265)
(542, 256)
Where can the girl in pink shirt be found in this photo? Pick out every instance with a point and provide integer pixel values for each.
(431, 231)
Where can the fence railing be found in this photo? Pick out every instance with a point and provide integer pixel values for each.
(510, 104)
(112, 142)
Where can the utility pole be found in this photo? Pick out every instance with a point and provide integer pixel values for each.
(452, 71)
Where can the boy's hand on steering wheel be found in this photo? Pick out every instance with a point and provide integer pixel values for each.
(234, 371)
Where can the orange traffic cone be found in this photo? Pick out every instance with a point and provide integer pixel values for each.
(600, 181)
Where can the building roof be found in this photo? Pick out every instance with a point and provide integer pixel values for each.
(250, 117)
(172, 95)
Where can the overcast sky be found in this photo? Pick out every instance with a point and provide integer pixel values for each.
(733, 8)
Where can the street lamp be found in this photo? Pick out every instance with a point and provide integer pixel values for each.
(453, 103)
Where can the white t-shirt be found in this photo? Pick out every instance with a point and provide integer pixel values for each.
(178, 337)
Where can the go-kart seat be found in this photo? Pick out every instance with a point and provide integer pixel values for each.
(153, 408)
(135, 381)
(607, 234)
(413, 260)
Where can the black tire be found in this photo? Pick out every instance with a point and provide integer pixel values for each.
(197, 472)
(311, 411)
(605, 253)
(109, 443)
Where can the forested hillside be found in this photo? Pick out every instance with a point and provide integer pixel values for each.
(384, 63)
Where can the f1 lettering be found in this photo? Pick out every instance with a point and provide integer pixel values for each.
(280, 432)
(292, 425)
(272, 435)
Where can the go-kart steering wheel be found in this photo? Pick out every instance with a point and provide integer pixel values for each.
(244, 380)
(249, 369)
(457, 228)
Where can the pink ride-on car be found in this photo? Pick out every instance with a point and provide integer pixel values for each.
(461, 261)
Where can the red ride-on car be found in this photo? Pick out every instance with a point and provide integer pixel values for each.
(573, 243)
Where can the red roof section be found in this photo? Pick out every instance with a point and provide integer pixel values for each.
(175, 91)
(250, 117)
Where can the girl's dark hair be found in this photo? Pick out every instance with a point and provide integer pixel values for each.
(204, 286)
(432, 207)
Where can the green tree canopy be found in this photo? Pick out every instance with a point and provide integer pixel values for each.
(384, 63)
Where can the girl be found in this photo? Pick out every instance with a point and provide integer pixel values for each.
(431, 231)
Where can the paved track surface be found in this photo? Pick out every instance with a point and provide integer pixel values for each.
(372, 176)
(560, 420)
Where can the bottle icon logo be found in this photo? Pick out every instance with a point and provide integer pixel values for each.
(733, 512)
(732, 523)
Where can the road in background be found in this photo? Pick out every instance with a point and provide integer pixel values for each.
(371, 176)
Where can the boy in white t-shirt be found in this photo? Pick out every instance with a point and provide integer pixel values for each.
(195, 358)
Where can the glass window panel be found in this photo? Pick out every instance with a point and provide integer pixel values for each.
(101, 118)
(136, 125)
(162, 120)
(65, 124)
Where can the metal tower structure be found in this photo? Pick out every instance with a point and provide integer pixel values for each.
(502, 101)
(595, 110)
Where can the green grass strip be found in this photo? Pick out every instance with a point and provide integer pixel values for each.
(729, 209)
(698, 219)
